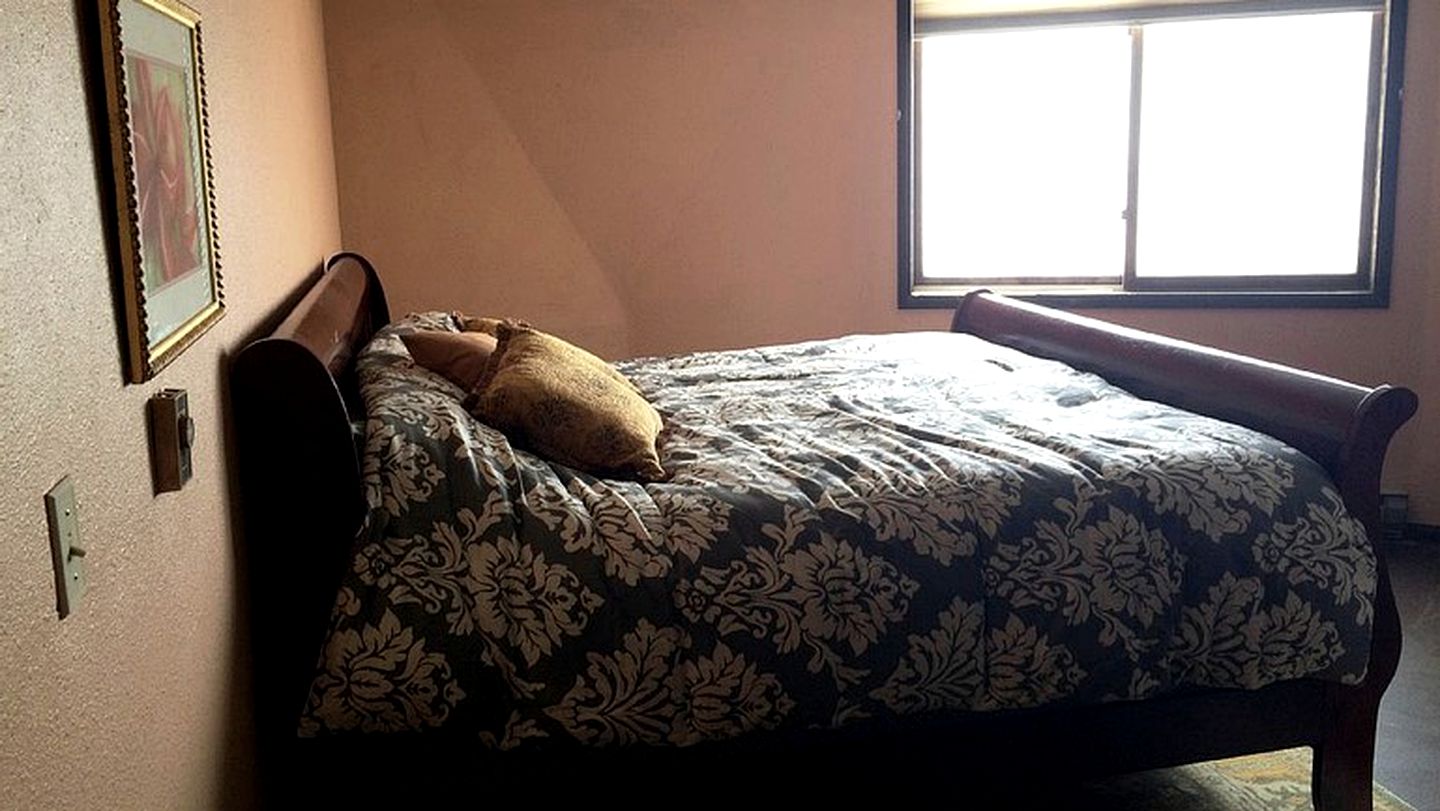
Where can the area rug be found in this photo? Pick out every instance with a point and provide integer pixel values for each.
(1275, 781)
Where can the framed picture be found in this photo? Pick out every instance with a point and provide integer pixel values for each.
(160, 152)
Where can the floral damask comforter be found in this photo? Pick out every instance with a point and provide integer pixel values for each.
(867, 527)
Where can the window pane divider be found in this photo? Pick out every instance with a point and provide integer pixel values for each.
(1132, 183)
(1370, 217)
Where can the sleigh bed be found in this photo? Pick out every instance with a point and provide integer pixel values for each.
(1038, 545)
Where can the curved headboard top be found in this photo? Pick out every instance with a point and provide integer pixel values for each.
(298, 383)
(340, 313)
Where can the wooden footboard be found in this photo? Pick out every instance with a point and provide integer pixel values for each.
(1344, 427)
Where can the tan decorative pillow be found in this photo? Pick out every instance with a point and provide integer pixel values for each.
(489, 326)
(459, 356)
(568, 405)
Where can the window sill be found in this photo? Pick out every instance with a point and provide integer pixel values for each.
(1066, 298)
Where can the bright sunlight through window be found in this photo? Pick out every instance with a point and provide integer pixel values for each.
(1242, 153)
(1253, 164)
(1024, 143)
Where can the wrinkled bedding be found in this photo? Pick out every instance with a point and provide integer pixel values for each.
(866, 527)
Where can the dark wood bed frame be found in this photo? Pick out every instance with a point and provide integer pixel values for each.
(295, 397)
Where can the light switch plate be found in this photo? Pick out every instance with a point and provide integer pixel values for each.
(64, 513)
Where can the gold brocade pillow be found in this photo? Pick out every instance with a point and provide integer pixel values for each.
(568, 405)
(459, 356)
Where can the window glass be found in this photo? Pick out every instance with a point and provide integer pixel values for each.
(1252, 146)
(1023, 138)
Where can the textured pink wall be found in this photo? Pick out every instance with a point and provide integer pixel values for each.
(655, 176)
(134, 701)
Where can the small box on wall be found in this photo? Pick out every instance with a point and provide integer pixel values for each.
(172, 435)
(1394, 515)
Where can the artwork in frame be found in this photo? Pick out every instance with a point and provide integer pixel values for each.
(160, 153)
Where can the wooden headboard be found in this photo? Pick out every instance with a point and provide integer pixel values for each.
(294, 396)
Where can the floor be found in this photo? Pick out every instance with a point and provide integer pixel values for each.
(1407, 757)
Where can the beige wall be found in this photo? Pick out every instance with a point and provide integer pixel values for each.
(643, 176)
(133, 702)
(656, 176)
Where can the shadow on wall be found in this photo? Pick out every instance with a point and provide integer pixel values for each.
(87, 32)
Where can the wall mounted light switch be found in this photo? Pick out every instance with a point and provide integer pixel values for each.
(63, 511)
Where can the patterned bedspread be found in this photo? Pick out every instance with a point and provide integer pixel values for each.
(867, 527)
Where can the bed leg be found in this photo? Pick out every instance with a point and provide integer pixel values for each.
(1343, 773)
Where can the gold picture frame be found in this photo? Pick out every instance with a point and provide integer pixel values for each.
(165, 202)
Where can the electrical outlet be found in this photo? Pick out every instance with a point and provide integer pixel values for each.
(63, 511)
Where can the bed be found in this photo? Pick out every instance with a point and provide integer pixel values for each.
(782, 687)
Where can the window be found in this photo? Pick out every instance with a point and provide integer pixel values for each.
(1235, 152)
